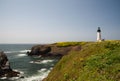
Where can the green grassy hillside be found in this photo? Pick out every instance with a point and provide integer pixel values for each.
(97, 61)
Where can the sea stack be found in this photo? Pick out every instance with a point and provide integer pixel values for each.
(99, 35)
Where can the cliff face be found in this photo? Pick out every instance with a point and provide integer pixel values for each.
(40, 50)
(97, 61)
(5, 69)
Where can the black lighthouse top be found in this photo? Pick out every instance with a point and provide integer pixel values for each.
(98, 29)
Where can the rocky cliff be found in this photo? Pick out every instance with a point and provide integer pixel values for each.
(52, 50)
(5, 69)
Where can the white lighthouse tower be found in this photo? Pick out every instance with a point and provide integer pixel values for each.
(99, 35)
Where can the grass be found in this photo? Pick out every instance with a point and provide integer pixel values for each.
(98, 61)
(65, 44)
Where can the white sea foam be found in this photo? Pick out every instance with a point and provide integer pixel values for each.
(38, 77)
(36, 62)
(21, 72)
(24, 51)
(31, 62)
(10, 51)
(41, 62)
(21, 55)
(42, 70)
(21, 51)
(51, 68)
(14, 78)
(3, 78)
(46, 61)
(16, 70)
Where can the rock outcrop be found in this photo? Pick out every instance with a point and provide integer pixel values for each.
(51, 50)
(39, 50)
(5, 69)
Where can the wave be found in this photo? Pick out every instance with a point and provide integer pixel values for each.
(41, 62)
(39, 77)
(24, 51)
(20, 75)
(21, 72)
(21, 51)
(10, 51)
(46, 61)
(42, 70)
(14, 78)
(3, 78)
(37, 56)
(21, 55)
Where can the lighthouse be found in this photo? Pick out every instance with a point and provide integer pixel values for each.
(99, 35)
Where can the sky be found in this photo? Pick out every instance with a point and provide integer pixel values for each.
(50, 21)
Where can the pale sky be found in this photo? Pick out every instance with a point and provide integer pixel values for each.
(50, 21)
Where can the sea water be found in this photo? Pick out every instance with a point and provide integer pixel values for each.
(32, 68)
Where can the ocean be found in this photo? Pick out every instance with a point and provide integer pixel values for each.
(33, 68)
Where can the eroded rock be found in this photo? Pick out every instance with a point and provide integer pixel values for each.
(39, 50)
(5, 69)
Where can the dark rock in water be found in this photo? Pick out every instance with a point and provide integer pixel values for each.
(5, 69)
(28, 52)
(22, 77)
(12, 74)
(39, 50)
